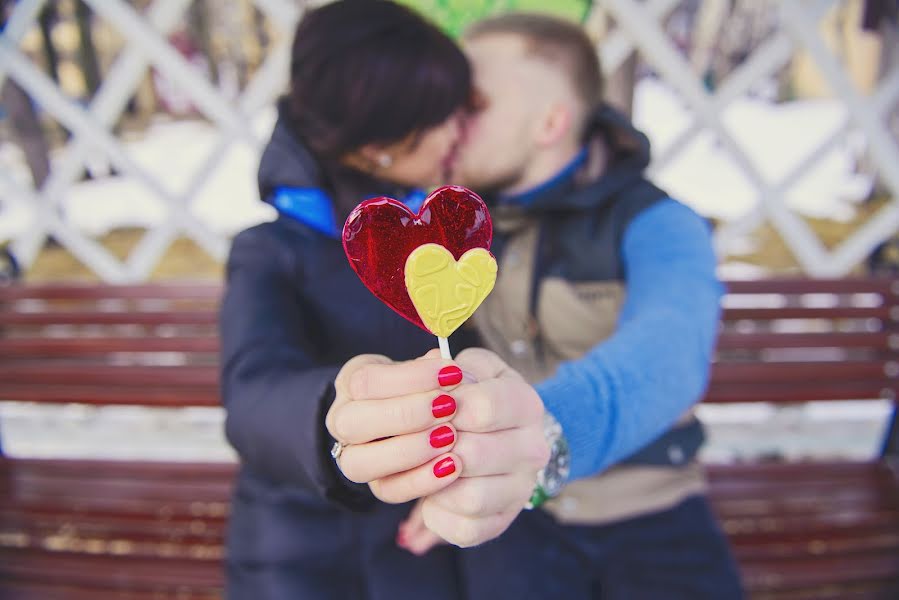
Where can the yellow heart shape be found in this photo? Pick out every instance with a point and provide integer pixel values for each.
(446, 292)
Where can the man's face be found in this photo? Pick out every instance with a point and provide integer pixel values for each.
(498, 141)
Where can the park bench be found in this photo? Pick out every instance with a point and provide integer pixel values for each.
(110, 529)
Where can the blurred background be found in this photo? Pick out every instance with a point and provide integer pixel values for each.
(130, 133)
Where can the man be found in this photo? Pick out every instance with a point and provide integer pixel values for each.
(607, 301)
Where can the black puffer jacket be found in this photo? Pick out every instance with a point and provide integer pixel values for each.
(293, 313)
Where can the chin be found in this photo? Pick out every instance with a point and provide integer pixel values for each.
(471, 180)
(461, 176)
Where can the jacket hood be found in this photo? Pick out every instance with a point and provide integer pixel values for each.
(286, 162)
(616, 155)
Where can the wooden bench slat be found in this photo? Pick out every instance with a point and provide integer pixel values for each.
(157, 396)
(72, 487)
(145, 536)
(818, 520)
(805, 490)
(880, 340)
(817, 546)
(742, 478)
(210, 317)
(169, 291)
(865, 590)
(801, 392)
(796, 471)
(136, 510)
(883, 312)
(161, 574)
(806, 535)
(48, 590)
(785, 285)
(50, 347)
(781, 573)
(158, 522)
(807, 500)
(723, 373)
(75, 490)
(121, 469)
(754, 372)
(108, 375)
(96, 317)
(137, 490)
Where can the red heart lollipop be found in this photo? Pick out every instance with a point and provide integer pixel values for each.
(381, 233)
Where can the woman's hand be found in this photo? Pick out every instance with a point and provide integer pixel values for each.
(413, 428)
(395, 421)
(502, 445)
(501, 442)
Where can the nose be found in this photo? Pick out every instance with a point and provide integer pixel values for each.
(463, 125)
(455, 126)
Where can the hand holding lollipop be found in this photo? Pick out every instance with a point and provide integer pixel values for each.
(397, 426)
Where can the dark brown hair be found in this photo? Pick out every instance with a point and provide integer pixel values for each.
(371, 71)
(557, 41)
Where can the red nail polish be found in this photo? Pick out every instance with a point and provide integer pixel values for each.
(450, 375)
(443, 406)
(445, 467)
(442, 436)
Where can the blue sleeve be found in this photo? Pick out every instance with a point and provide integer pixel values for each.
(631, 388)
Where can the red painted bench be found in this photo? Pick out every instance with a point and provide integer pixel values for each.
(100, 529)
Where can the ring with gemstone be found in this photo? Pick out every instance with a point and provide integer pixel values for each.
(337, 449)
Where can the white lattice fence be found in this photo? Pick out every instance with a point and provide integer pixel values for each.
(90, 126)
(797, 19)
(639, 28)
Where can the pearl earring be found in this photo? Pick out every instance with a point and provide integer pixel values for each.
(384, 160)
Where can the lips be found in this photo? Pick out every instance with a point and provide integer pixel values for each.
(449, 161)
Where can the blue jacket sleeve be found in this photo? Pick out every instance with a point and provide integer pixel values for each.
(274, 392)
(631, 388)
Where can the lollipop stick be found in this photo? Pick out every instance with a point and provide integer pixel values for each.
(444, 348)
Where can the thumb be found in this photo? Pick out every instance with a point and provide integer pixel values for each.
(413, 535)
(341, 382)
(432, 353)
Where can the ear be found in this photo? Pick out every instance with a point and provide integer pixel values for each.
(369, 153)
(556, 124)
(364, 158)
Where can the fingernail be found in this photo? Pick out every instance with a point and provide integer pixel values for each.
(450, 375)
(442, 436)
(400, 539)
(445, 467)
(443, 406)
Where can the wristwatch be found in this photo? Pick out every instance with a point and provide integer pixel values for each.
(553, 476)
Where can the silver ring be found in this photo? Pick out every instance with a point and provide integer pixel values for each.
(337, 449)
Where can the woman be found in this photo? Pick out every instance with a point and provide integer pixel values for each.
(373, 109)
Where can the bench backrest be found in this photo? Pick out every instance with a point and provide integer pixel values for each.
(795, 340)
(782, 340)
(153, 345)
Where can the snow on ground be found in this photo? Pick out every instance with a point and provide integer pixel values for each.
(735, 433)
(774, 137)
(170, 153)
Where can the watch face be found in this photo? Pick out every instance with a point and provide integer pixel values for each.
(554, 475)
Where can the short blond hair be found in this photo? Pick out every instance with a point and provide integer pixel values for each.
(557, 41)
